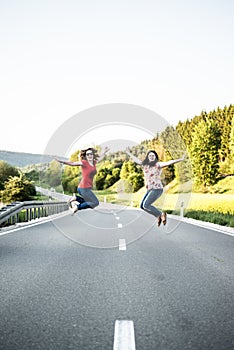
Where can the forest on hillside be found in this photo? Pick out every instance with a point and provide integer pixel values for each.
(207, 140)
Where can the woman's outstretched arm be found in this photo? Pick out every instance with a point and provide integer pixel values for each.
(135, 159)
(172, 161)
(67, 162)
(102, 155)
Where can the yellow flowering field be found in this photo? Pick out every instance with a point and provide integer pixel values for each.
(209, 202)
(222, 203)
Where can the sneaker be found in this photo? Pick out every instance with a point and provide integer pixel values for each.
(72, 199)
(164, 218)
(69, 204)
(74, 207)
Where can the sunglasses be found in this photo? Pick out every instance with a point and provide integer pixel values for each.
(89, 153)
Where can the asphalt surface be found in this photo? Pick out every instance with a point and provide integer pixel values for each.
(65, 282)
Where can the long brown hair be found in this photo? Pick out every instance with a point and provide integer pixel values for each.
(146, 160)
(83, 153)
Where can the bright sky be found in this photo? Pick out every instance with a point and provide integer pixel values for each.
(60, 57)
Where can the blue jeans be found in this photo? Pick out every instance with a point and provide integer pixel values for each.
(86, 198)
(150, 197)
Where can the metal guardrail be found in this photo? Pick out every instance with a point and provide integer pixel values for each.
(29, 210)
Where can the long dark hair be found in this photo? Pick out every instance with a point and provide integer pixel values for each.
(83, 153)
(146, 160)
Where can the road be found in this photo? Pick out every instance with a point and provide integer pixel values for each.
(66, 282)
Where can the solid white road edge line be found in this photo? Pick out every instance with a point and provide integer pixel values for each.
(207, 225)
(124, 336)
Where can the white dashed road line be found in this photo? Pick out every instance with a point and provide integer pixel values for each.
(124, 337)
(122, 244)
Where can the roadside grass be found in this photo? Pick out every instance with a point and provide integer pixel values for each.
(214, 217)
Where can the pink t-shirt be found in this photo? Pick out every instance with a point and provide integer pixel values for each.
(152, 176)
(88, 173)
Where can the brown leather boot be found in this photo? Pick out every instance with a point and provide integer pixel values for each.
(164, 218)
(159, 220)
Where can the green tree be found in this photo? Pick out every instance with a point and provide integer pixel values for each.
(6, 170)
(205, 152)
(223, 120)
(175, 148)
(185, 132)
(136, 180)
(33, 175)
(18, 188)
(112, 177)
(53, 174)
(100, 178)
(71, 175)
(133, 174)
(129, 168)
(231, 147)
(107, 174)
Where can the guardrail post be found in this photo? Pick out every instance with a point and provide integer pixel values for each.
(182, 209)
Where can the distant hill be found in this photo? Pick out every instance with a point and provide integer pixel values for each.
(20, 159)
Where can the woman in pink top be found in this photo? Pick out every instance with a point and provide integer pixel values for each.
(86, 198)
(152, 169)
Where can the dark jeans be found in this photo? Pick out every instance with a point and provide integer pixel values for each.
(150, 197)
(86, 198)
